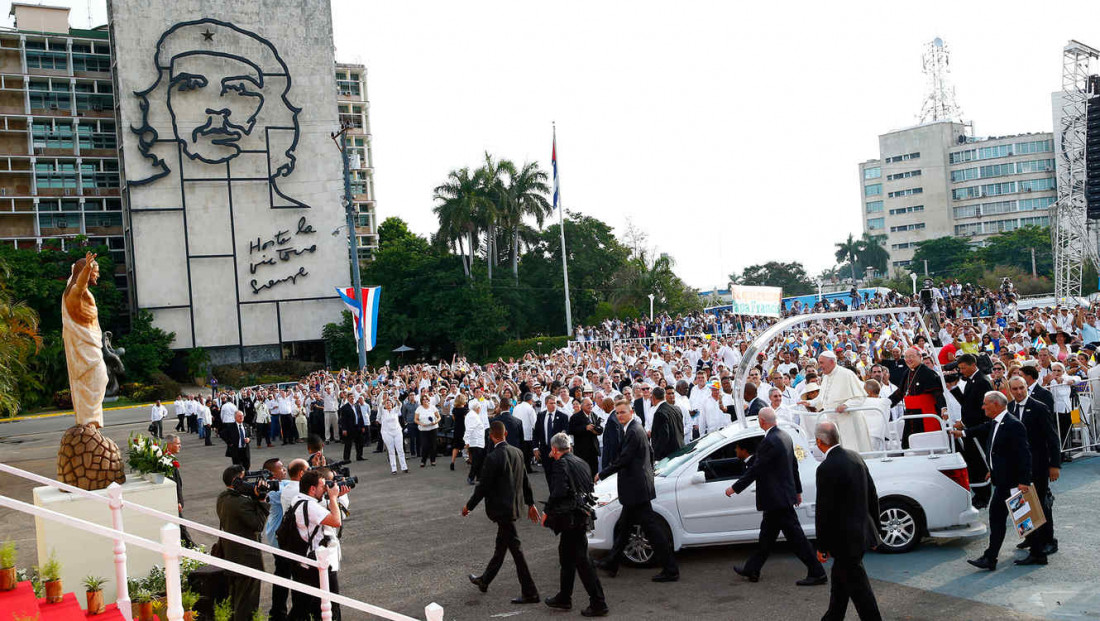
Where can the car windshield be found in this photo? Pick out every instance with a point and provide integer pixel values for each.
(672, 463)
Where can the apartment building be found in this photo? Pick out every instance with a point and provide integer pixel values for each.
(935, 180)
(59, 170)
(351, 84)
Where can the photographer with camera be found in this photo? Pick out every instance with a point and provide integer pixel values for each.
(309, 514)
(242, 511)
(567, 514)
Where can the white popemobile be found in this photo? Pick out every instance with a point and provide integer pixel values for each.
(922, 490)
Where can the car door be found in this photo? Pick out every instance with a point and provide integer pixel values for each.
(701, 500)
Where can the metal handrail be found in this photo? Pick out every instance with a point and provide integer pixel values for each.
(168, 517)
(170, 548)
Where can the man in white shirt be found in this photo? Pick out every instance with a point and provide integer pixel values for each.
(228, 412)
(180, 411)
(525, 413)
(309, 517)
(332, 423)
(714, 410)
(157, 415)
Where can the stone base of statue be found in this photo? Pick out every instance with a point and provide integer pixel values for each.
(89, 460)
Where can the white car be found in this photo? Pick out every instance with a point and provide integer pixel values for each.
(921, 492)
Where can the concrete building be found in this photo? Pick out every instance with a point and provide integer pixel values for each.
(60, 178)
(59, 171)
(351, 84)
(935, 180)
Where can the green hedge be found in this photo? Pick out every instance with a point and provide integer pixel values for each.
(516, 349)
(252, 373)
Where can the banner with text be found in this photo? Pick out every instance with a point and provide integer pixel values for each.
(765, 301)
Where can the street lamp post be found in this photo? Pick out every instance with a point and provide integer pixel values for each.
(819, 296)
(353, 246)
(651, 296)
(914, 277)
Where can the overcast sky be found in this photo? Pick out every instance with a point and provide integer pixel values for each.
(729, 131)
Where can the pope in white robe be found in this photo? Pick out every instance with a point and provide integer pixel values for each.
(842, 389)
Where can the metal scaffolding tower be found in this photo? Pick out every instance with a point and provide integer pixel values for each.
(1069, 225)
(939, 103)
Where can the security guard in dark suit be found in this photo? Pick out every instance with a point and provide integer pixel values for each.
(242, 515)
(970, 396)
(774, 469)
(634, 466)
(567, 514)
(1046, 464)
(506, 490)
(846, 518)
(1005, 440)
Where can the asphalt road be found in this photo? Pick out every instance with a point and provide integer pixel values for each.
(406, 545)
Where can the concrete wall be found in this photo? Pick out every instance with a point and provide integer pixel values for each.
(223, 255)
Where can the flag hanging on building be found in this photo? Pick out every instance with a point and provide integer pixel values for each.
(554, 165)
(364, 312)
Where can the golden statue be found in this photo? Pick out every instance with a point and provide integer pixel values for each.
(87, 459)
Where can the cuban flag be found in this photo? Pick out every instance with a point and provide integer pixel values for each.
(364, 312)
(554, 165)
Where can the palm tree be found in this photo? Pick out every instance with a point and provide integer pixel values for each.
(18, 340)
(848, 251)
(524, 195)
(872, 252)
(490, 178)
(461, 201)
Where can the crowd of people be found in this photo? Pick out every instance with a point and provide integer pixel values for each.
(600, 401)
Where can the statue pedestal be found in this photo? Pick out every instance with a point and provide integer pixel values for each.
(82, 553)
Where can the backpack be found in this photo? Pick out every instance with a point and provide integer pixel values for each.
(290, 540)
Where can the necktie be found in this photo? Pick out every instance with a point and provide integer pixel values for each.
(240, 432)
(549, 427)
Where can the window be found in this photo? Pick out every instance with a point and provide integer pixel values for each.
(1032, 166)
(1003, 150)
(906, 192)
(903, 246)
(999, 207)
(903, 158)
(904, 175)
(969, 211)
(996, 189)
(963, 230)
(876, 224)
(1036, 146)
(907, 227)
(997, 170)
(47, 135)
(962, 156)
(874, 206)
(872, 173)
(904, 210)
(1035, 204)
(1038, 221)
(902, 263)
(965, 174)
(1037, 185)
(874, 189)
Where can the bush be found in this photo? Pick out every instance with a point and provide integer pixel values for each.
(128, 389)
(252, 373)
(63, 399)
(516, 349)
(169, 387)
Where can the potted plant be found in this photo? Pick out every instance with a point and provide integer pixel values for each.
(144, 601)
(51, 579)
(148, 457)
(7, 566)
(189, 599)
(93, 591)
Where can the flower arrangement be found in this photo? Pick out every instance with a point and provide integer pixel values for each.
(147, 455)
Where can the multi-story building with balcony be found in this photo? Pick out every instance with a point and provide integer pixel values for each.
(351, 82)
(935, 180)
(59, 174)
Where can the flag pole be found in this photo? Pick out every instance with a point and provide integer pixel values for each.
(561, 226)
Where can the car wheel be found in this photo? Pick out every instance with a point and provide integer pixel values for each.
(900, 527)
(639, 550)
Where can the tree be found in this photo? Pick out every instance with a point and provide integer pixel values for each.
(945, 256)
(19, 341)
(525, 195)
(148, 348)
(461, 203)
(872, 252)
(1013, 248)
(341, 350)
(791, 277)
(848, 251)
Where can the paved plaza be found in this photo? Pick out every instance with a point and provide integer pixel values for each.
(406, 545)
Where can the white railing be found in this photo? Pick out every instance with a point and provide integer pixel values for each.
(170, 547)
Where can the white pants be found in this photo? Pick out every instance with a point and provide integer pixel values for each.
(332, 425)
(396, 447)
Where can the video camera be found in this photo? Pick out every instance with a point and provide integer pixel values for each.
(342, 474)
(253, 483)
